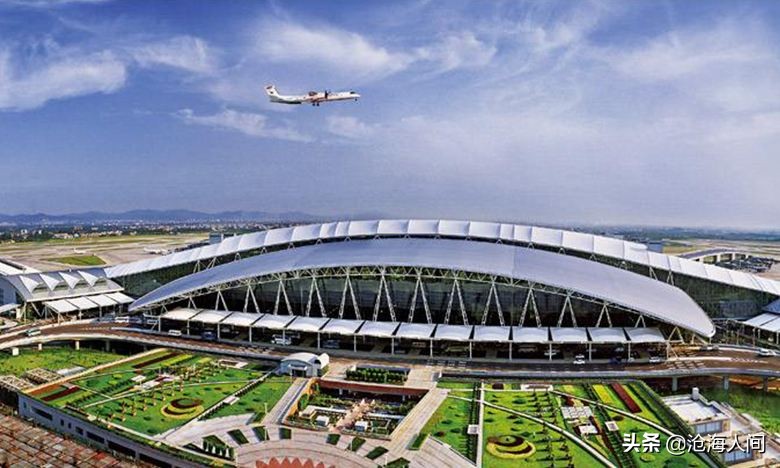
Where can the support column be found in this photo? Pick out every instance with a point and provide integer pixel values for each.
(250, 333)
(430, 348)
(549, 350)
(765, 385)
(470, 349)
(77, 345)
(674, 384)
(510, 350)
(590, 351)
(108, 346)
(354, 343)
(318, 340)
(392, 345)
(628, 357)
(726, 382)
(40, 346)
(188, 327)
(219, 336)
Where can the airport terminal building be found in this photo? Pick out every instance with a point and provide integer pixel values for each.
(441, 287)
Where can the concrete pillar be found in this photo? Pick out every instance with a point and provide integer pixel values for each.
(392, 345)
(470, 349)
(77, 345)
(430, 348)
(674, 384)
(250, 334)
(765, 385)
(628, 351)
(549, 351)
(40, 346)
(108, 346)
(354, 343)
(318, 340)
(510, 350)
(590, 351)
(726, 382)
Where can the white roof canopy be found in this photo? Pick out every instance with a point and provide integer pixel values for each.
(83, 303)
(453, 332)
(60, 306)
(241, 319)
(606, 335)
(180, 314)
(569, 335)
(530, 334)
(102, 300)
(415, 331)
(645, 335)
(486, 231)
(654, 298)
(773, 326)
(210, 316)
(307, 324)
(342, 326)
(274, 322)
(761, 319)
(378, 329)
(490, 333)
(120, 298)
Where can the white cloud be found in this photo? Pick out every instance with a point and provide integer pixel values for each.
(250, 124)
(349, 127)
(462, 50)
(335, 49)
(183, 52)
(59, 77)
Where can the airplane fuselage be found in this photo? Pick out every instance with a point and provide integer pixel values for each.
(314, 98)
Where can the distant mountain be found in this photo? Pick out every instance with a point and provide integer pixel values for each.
(156, 216)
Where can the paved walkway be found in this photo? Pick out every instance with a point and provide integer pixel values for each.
(302, 447)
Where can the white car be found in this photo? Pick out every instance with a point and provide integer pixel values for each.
(763, 352)
(655, 360)
(281, 341)
(579, 361)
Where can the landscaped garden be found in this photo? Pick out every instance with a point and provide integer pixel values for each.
(161, 390)
(556, 425)
(53, 359)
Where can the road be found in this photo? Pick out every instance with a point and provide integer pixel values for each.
(689, 362)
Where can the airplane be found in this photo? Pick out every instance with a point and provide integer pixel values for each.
(157, 251)
(315, 98)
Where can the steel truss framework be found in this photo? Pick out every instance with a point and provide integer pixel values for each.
(418, 308)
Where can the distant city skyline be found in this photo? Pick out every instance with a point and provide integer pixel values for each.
(595, 113)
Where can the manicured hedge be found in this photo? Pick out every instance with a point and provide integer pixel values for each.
(285, 433)
(260, 433)
(333, 439)
(376, 452)
(418, 441)
(238, 436)
(356, 443)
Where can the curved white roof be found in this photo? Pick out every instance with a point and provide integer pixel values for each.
(593, 279)
(473, 230)
(61, 284)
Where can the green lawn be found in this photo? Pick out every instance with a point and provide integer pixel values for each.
(78, 260)
(269, 392)
(53, 359)
(450, 421)
(551, 448)
(763, 406)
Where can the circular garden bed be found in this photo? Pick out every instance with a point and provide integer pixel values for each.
(182, 408)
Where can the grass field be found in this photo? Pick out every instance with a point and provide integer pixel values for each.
(53, 359)
(78, 260)
(267, 394)
(763, 406)
(450, 421)
(177, 387)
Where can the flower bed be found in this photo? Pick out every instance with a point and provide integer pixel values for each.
(626, 398)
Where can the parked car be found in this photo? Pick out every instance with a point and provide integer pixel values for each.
(655, 360)
(33, 332)
(331, 344)
(209, 336)
(281, 340)
(763, 352)
(121, 319)
(579, 361)
(174, 332)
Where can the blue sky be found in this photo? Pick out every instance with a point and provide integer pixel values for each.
(651, 112)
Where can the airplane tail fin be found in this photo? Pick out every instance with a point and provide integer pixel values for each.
(270, 90)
